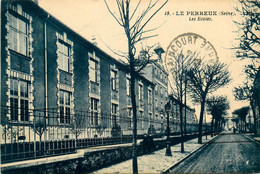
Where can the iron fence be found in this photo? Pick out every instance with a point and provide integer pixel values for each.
(42, 132)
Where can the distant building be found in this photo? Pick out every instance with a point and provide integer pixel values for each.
(156, 73)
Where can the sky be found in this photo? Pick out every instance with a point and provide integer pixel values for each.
(91, 19)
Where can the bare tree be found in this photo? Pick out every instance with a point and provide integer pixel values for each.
(248, 90)
(134, 25)
(248, 29)
(204, 78)
(180, 65)
(217, 106)
(78, 124)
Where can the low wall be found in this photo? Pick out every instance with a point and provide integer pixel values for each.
(92, 160)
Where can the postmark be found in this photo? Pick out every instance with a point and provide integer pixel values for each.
(192, 45)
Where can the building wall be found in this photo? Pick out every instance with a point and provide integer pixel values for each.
(76, 81)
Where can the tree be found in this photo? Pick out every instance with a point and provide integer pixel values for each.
(249, 90)
(248, 29)
(77, 124)
(180, 65)
(204, 78)
(134, 25)
(217, 106)
(242, 113)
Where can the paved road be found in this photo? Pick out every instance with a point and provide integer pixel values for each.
(229, 153)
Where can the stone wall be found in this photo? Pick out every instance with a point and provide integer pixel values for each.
(92, 160)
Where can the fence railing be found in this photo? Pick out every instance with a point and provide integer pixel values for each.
(60, 131)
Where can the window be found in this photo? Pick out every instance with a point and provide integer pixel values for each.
(128, 87)
(150, 117)
(156, 103)
(93, 70)
(94, 111)
(19, 100)
(129, 111)
(114, 114)
(65, 107)
(64, 56)
(156, 88)
(18, 34)
(149, 96)
(113, 80)
(155, 71)
(140, 90)
(141, 118)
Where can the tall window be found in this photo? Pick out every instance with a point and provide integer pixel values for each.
(140, 90)
(19, 100)
(94, 111)
(114, 114)
(128, 87)
(64, 56)
(149, 96)
(65, 107)
(113, 80)
(18, 34)
(93, 70)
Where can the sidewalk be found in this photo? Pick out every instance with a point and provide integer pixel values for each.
(157, 162)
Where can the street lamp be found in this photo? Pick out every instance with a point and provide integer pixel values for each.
(168, 142)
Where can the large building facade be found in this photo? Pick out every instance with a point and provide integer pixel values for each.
(52, 77)
(50, 73)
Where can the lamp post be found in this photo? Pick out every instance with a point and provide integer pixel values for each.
(168, 142)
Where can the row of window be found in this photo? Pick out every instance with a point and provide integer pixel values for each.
(160, 74)
(19, 90)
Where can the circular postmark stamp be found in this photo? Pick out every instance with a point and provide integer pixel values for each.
(189, 45)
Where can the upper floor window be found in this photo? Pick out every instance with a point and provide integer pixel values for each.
(93, 70)
(113, 80)
(18, 33)
(128, 86)
(64, 56)
(19, 100)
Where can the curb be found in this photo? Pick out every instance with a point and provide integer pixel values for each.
(252, 139)
(193, 152)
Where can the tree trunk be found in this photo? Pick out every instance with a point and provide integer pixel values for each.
(202, 106)
(211, 127)
(181, 114)
(181, 126)
(133, 100)
(216, 127)
(254, 115)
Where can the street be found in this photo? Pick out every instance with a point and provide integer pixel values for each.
(229, 153)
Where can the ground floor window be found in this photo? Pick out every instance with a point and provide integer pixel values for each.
(94, 112)
(65, 107)
(114, 114)
(19, 100)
